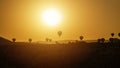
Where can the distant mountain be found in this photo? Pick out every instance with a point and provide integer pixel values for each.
(4, 41)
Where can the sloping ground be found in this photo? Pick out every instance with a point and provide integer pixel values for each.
(4, 41)
(59, 56)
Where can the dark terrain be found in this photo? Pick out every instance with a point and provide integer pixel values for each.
(74, 55)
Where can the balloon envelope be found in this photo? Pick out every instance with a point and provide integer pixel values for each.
(59, 33)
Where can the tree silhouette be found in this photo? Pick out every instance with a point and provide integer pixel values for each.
(59, 33)
(30, 40)
(111, 40)
(102, 40)
(13, 39)
(98, 40)
(112, 34)
(81, 37)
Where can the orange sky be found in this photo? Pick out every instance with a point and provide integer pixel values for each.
(91, 18)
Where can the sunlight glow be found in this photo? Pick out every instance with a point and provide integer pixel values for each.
(51, 17)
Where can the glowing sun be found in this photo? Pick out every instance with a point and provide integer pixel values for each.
(51, 17)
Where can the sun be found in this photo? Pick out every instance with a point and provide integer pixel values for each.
(51, 17)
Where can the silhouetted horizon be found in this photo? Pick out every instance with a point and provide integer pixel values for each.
(59, 33)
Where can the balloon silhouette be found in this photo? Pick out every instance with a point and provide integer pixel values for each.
(59, 33)
(119, 34)
(30, 40)
(13, 39)
(81, 37)
(112, 34)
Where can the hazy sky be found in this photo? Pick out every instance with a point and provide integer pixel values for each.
(91, 18)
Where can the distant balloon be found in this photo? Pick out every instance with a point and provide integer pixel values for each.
(30, 40)
(81, 37)
(13, 39)
(112, 34)
(59, 33)
(119, 34)
(47, 39)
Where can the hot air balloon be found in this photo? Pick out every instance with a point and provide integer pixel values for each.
(81, 37)
(59, 33)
